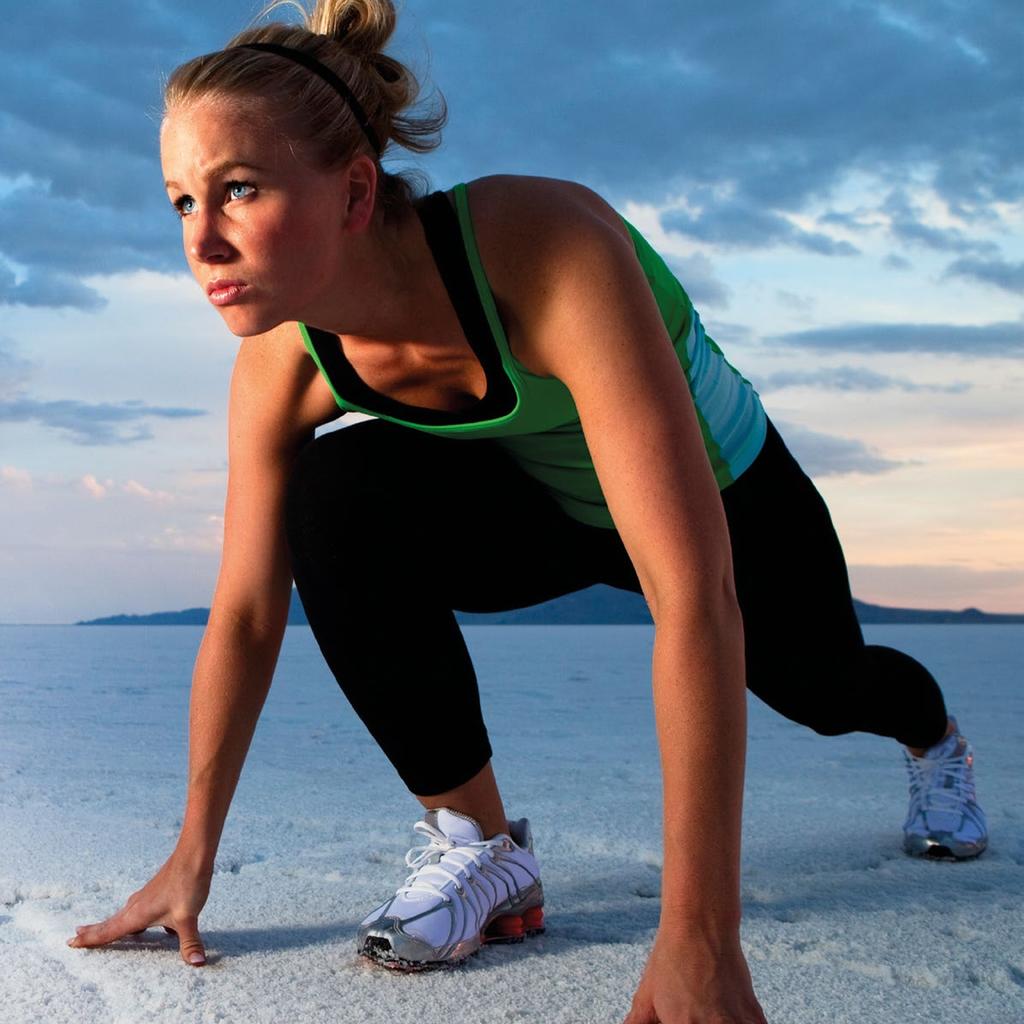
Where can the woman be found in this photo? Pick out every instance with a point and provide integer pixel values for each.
(550, 415)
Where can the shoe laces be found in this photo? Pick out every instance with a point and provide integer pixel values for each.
(441, 861)
(942, 783)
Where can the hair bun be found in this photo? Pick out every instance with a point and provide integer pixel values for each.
(363, 27)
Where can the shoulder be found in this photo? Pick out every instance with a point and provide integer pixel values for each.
(545, 242)
(546, 198)
(277, 390)
(523, 211)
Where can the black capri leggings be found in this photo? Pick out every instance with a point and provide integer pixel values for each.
(391, 528)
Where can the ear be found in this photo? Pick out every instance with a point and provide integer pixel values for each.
(361, 178)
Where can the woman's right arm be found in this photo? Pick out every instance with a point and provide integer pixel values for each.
(276, 401)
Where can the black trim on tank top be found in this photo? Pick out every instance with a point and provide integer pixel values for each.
(444, 236)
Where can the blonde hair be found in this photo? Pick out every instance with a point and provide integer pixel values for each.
(348, 36)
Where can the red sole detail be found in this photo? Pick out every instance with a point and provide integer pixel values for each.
(508, 927)
(533, 919)
(515, 927)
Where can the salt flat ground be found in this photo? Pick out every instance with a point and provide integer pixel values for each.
(840, 926)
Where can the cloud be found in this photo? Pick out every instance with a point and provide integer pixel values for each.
(896, 262)
(827, 455)
(56, 487)
(801, 303)
(19, 479)
(906, 225)
(729, 333)
(779, 100)
(130, 487)
(94, 487)
(784, 99)
(852, 220)
(39, 229)
(702, 285)
(848, 378)
(14, 370)
(66, 120)
(998, 273)
(995, 339)
(91, 423)
(735, 222)
(134, 488)
(43, 288)
(86, 140)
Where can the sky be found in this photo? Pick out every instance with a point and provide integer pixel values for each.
(839, 187)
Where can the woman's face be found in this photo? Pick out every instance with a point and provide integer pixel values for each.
(261, 230)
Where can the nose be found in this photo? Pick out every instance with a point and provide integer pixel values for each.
(206, 243)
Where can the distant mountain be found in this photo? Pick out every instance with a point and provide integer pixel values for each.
(876, 613)
(597, 605)
(186, 617)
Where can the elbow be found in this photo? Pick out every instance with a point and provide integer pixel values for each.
(710, 597)
(263, 621)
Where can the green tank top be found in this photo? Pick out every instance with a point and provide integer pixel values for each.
(534, 418)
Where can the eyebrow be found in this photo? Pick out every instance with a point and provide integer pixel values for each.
(216, 172)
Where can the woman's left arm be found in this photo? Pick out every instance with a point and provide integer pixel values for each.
(597, 328)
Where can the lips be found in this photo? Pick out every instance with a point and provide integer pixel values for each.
(222, 291)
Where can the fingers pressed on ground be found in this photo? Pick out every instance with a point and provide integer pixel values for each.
(124, 922)
(189, 943)
(90, 935)
(193, 953)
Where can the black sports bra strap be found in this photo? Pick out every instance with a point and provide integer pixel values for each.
(444, 237)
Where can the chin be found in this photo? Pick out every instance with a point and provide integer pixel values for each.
(247, 322)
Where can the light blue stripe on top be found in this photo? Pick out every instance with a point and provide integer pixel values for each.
(727, 402)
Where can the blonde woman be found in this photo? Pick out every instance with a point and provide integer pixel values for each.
(549, 414)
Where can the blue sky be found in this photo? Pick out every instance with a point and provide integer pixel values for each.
(838, 185)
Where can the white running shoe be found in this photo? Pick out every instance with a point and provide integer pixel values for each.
(944, 820)
(464, 891)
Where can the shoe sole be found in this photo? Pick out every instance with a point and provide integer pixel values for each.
(503, 930)
(934, 849)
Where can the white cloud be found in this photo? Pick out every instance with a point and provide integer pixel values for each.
(207, 539)
(18, 479)
(94, 487)
(133, 487)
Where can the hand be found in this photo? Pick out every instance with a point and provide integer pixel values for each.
(173, 897)
(689, 980)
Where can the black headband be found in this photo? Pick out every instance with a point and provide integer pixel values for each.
(328, 76)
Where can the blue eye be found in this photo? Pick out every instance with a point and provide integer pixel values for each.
(184, 205)
(233, 185)
(235, 190)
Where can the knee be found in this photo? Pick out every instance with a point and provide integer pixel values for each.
(825, 721)
(805, 697)
(824, 718)
(832, 726)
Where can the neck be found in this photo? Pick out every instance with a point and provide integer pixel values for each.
(385, 287)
